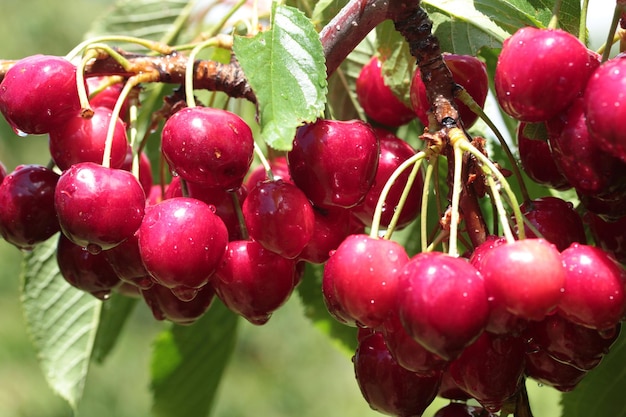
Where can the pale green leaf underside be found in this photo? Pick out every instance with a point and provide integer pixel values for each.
(188, 362)
(601, 392)
(286, 70)
(61, 320)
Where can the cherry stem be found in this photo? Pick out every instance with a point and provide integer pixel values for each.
(424, 210)
(582, 29)
(456, 196)
(132, 138)
(414, 160)
(502, 215)
(184, 188)
(159, 47)
(405, 193)
(619, 7)
(242, 222)
(266, 165)
(554, 20)
(83, 96)
(222, 41)
(464, 96)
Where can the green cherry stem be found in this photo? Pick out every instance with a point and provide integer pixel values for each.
(159, 47)
(582, 29)
(554, 20)
(415, 159)
(83, 95)
(242, 222)
(428, 175)
(619, 7)
(456, 197)
(502, 215)
(266, 165)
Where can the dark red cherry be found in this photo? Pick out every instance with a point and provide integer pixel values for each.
(145, 169)
(442, 302)
(125, 260)
(182, 242)
(377, 99)
(364, 272)
(610, 236)
(98, 207)
(105, 93)
(167, 306)
(209, 146)
(253, 281)
(27, 213)
(331, 227)
(539, 72)
(386, 386)
(546, 370)
(279, 216)
(462, 410)
(38, 92)
(80, 139)
(84, 270)
(334, 162)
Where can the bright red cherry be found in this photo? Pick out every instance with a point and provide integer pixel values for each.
(595, 287)
(84, 270)
(364, 272)
(182, 242)
(539, 72)
(467, 71)
(334, 162)
(279, 216)
(98, 208)
(386, 386)
(526, 276)
(209, 146)
(442, 302)
(27, 213)
(603, 100)
(253, 281)
(377, 99)
(393, 152)
(80, 139)
(38, 92)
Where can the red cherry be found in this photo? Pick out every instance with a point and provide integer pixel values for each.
(539, 72)
(462, 410)
(182, 242)
(27, 213)
(38, 92)
(386, 386)
(80, 139)
(279, 216)
(610, 236)
(331, 227)
(98, 208)
(253, 281)
(378, 101)
(125, 260)
(595, 287)
(442, 302)
(167, 306)
(208, 146)
(526, 276)
(364, 272)
(145, 169)
(280, 171)
(546, 370)
(334, 162)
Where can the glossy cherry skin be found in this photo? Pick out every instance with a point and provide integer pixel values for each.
(84, 270)
(570, 343)
(125, 260)
(393, 152)
(38, 92)
(253, 281)
(279, 216)
(364, 272)
(280, 171)
(462, 410)
(595, 287)
(490, 369)
(80, 139)
(182, 242)
(603, 100)
(331, 227)
(104, 94)
(546, 370)
(468, 72)
(209, 146)
(27, 213)
(580, 157)
(610, 236)
(223, 201)
(407, 352)
(145, 169)
(537, 161)
(386, 386)
(334, 162)
(442, 302)
(526, 276)
(556, 221)
(167, 306)
(98, 208)
(378, 101)
(539, 72)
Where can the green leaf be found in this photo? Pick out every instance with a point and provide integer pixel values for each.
(601, 392)
(115, 313)
(398, 65)
(286, 70)
(188, 362)
(157, 20)
(310, 292)
(61, 320)
(325, 10)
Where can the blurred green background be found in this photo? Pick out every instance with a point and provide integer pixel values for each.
(285, 368)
